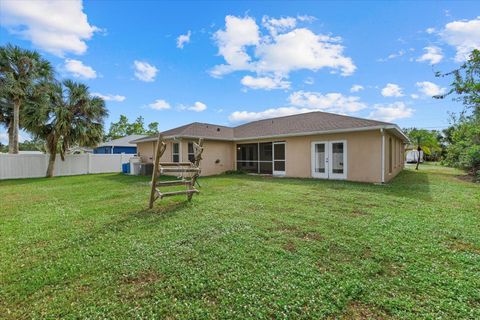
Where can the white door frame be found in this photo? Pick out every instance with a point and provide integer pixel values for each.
(279, 173)
(329, 174)
(338, 176)
(323, 175)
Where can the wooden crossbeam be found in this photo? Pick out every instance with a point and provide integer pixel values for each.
(176, 164)
(173, 183)
(179, 169)
(176, 193)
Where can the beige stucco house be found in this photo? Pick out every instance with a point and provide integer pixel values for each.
(309, 145)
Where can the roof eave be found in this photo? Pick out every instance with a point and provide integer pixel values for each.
(370, 128)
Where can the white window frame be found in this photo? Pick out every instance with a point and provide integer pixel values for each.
(338, 176)
(279, 173)
(190, 153)
(321, 175)
(175, 153)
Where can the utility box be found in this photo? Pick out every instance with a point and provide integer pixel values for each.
(135, 166)
(146, 169)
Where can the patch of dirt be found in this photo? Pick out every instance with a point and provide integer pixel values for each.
(359, 311)
(297, 231)
(466, 178)
(139, 286)
(289, 246)
(462, 246)
(356, 212)
(311, 235)
(143, 278)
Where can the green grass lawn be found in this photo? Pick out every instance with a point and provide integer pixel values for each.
(246, 247)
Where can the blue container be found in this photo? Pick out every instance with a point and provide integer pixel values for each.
(126, 167)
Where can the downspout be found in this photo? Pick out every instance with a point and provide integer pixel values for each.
(383, 154)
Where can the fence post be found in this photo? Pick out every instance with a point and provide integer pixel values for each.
(46, 156)
(89, 168)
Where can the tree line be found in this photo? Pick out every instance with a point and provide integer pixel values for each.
(459, 144)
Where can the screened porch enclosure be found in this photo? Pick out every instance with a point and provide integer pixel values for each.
(264, 158)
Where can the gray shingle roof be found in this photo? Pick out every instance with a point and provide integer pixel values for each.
(305, 123)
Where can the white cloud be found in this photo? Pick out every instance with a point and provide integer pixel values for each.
(57, 27)
(110, 97)
(432, 54)
(232, 42)
(144, 71)
(160, 104)
(183, 39)
(464, 35)
(309, 80)
(274, 26)
(414, 96)
(356, 88)
(284, 50)
(392, 90)
(79, 70)
(198, 107)
(394, 55)
(245, 116)
(302, 49)
(430, 89)
(306, 18)
(430, 30)
(265, 83)
(301, 102)
(391, 112)
(331, 102)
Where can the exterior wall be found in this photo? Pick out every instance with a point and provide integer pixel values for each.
(363, 154)
(218, 156)
(398, 156)
(116, 150)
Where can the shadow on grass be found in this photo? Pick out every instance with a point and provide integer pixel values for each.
(407, 184)
(144, 218)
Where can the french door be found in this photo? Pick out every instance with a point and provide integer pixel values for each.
(329, 159)
(279, 158)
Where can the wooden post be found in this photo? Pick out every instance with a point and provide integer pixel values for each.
(158, 154)
(198, 148)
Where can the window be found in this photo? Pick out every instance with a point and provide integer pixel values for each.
(175, 152)
(258, 158)
(191, 152)
(395, 153)
(247, 157)
(390, 156)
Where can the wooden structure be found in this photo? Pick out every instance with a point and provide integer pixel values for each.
(182, 168)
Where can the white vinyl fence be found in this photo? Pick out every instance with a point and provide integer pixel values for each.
(15, 166)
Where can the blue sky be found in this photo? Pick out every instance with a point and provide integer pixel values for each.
(231, 62)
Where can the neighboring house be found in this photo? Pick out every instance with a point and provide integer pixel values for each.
(313, 145)
(79, 150)
(121, 145)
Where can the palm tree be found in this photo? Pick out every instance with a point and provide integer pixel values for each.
(20, 71)
(65, 115)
